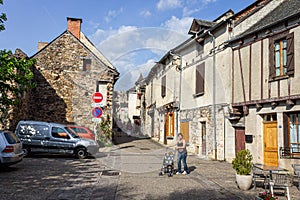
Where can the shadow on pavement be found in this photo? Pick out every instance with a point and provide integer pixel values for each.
(192, 168)
(121, 138)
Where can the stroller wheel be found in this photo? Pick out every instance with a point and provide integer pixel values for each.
(170, 175)
(160, 174)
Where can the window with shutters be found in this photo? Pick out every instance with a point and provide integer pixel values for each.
(200, 79)
(163, 86)
(281, 56)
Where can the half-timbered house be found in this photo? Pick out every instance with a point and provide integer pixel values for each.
(265, 89)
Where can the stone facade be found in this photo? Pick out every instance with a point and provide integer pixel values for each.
(69, 70)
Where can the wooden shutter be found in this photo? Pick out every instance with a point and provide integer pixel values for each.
(163, 86)
(285, 130)
(290, 54)
(272, 71)
(200, 77)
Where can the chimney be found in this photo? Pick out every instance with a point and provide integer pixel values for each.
(74, 26)
(42, 45)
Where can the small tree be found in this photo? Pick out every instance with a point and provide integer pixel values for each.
(15, 79)
(242, 163)
(104, 131)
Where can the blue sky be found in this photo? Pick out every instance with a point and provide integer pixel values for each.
(132, 34)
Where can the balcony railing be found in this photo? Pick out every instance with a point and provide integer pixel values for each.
(289, 152)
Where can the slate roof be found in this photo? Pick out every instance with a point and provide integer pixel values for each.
(285, 10)
(198, 23)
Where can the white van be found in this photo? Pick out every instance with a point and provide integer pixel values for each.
(46, 137)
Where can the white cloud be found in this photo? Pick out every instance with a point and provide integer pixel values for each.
(186, 12)
(208, 1)
(132, 50)
(145, 13)
(128, 79)
(180, 25)
(112, 14)
(168, 4)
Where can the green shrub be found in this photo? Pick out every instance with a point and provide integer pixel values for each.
(104, 132)
(242, 163)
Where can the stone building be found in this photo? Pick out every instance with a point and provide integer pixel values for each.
(69, 70)
(205, 89)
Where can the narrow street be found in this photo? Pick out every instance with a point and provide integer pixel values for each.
(128, 170)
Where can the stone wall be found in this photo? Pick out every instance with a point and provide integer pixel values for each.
(204, 114)
(64, 88)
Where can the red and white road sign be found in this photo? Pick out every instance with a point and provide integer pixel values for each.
(97, 97)
(97, 112)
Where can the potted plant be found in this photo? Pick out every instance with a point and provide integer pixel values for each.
(242, 164)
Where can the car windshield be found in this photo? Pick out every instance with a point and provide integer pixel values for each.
(11, 138)
(73, 134)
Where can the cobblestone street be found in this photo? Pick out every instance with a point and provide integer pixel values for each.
(126, 171)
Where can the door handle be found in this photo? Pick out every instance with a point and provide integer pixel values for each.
(47, 138)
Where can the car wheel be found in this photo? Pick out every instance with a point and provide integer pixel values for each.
(26, 151)
(80, 153)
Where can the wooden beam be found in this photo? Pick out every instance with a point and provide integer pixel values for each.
(242, 75)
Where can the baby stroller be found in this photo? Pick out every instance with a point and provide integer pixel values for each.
(168, 164)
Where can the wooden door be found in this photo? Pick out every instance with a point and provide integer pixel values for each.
(166, 132)
(239, 139)
(169, 125)
(184, 129)
(270, 144)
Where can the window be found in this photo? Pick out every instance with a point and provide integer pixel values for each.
(294, 132)
(33, 129)
(200, 76)
(163, 86)
(270, 117)
(280, 57)
(11, 138)
(86, 64)
(59, 133)
(281, 51)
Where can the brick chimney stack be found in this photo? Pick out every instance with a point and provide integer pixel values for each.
(74, 26)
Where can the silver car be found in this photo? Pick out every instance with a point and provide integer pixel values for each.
(10, 149)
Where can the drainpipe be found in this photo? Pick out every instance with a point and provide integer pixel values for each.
(179, 98)
(179, 95)
(214, 95)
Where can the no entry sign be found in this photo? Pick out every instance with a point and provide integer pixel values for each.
(97, 112)
(97, 97)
